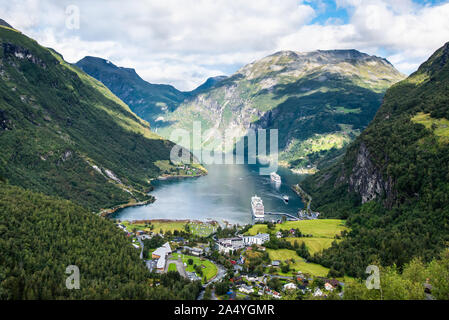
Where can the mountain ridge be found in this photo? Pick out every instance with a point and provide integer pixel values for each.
(295, 93)
(392, 182)
(65, 134)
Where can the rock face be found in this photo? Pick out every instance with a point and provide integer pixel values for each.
(366, 179)
(329, 95)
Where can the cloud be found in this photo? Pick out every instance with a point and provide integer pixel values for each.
(182, 42)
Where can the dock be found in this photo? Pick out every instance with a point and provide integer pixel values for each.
(293, 218)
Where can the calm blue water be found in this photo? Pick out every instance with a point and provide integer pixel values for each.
(223, 195)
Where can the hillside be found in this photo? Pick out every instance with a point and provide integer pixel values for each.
(65, 134)
(40, 236)
(149, 101)
(319, 101)
(393, 181)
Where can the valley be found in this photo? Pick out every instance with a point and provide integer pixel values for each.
(88, 179)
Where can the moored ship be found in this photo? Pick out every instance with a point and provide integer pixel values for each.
(257, 207)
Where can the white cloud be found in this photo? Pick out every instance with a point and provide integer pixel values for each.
(183, 42)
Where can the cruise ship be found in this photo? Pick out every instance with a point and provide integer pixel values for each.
(275, 177)
(257, 206)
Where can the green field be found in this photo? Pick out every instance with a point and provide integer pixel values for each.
(196, 228)
(320, 228)
(299, 264)
(323, 232)
(202, 229)
(209, 270)
(440, 127)
(314, 245)
(172, 267)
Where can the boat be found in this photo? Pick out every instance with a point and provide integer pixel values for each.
(275, 177)
(286, 198)
(257, 207)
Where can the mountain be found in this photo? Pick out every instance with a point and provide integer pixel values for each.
(5, 24)
(148, 101)
(319, 101)
(65, 134)
(208, 84)
(393, 182)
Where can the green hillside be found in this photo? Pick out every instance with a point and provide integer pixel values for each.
(393, 183)
(149, 101)
(40, 236)
(65, 134)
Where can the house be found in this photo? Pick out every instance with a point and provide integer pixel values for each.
(275, 263)
(290, 286)
(328, 286)
(246, 289)
(258, 239)
(317, 293)
(145, 237)
(140, 232)
(194, 251)
(161, 254)
(252, 278)
(227, 245)
(276, 295)
(278, 234)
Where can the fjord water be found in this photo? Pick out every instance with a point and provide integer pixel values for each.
(222, 195)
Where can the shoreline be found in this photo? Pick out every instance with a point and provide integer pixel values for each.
(304, 171)
(212, 222)
(109, 211)
(306, 198)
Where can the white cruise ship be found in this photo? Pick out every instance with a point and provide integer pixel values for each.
(275, 177)
(257, 206)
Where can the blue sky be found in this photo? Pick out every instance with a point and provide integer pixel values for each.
(182, 42)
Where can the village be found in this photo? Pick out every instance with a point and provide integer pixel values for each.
(262, 261)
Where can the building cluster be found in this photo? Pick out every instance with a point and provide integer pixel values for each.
(229, 245)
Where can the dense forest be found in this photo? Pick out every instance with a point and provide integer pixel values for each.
(40, 236)
(393, 183)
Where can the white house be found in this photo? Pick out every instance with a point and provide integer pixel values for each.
(317, 292)
(290, 286)
(246, 289)
(227, 245)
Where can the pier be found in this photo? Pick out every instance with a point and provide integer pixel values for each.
(293, 218)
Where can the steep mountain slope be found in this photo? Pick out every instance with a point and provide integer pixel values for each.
(319, 101)
(207, 85)
(41, 236)
(65, 134)
(5, 24)
(393, 183)
(148, 101)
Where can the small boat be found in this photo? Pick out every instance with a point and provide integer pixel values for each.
(275, 178)
(285, 198)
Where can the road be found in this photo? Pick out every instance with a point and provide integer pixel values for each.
(220, 275)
